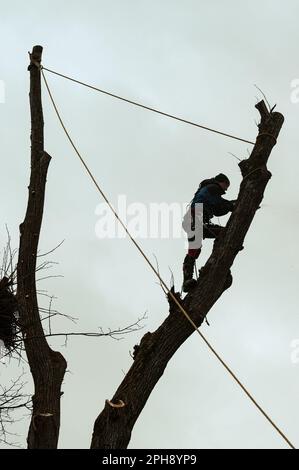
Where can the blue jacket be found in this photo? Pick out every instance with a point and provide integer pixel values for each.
(210, 194)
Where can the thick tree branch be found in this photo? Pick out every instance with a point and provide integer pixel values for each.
(113, 426)
(47, 366)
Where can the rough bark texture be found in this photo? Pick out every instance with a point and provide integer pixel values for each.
(8, 309)
(113, 427)
(47, 366)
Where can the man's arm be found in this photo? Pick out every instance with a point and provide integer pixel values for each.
(219, 205)
(223, 207)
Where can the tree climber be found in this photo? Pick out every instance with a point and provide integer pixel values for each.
(207, 202)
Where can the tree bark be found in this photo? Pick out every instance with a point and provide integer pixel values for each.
(47, 366)
(113, 427)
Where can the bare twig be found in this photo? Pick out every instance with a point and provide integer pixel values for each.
(235, 156)
(158, 271)
(12, 400)
(51, 251)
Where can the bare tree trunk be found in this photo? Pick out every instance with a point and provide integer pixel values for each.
(113, 427)
(47, 366)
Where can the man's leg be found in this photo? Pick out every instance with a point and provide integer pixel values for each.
(188, 268)
(194, 249)
(209, 231)
(212, 231)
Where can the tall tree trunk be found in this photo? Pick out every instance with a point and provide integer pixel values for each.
(47, 366)
(113, 427)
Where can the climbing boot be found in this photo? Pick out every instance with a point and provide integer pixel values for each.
(188, 268)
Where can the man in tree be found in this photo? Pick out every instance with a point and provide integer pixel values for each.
(197, 221)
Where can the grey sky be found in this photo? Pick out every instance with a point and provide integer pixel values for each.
(200, 60)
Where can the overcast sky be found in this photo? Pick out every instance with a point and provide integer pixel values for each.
(200, 60)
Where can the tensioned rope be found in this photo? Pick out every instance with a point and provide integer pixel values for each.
(140, 105)
(170, 293)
